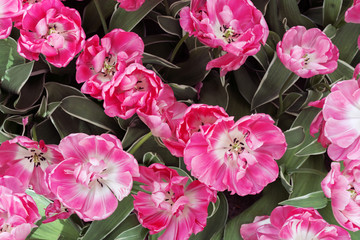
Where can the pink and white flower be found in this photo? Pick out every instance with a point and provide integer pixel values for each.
(94, 176)
(236, 156)
(53, 30)
(130, 5)
(307, 52)
(339, 120)
(18, 211)
(97, 64)
(197, 117)
(163, 114)
(289, 223)
(131, 90)
(28, 160)
(343, 187)
(238, 27)
(8, 10)
(168, 204)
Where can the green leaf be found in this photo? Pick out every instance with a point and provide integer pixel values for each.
(150, 158)
(246, 82)
(30, 92)
(331, 11)
(170, 25)
(193, 70)
(212, 92)
(9, 56)
(100, 229)
(57, 92)
(59, 229)
(129, 229)
(177, 6)
(183, 92)
(271, 17)
(294, 136)
(135, 233)
(304, 119)
(272, 82)
(289, 9)
(237, 106)
(128, 20)
(315, 200)
(153, 59)
(16, 77)
(314, 148)
(91, 19)
(216, 221)
(88, 111)
(291, 99)
(344, 71)
(346, 41)
(134, 131)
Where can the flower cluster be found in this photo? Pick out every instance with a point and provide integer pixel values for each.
(238, 27)
(290, 223)
(84, 174)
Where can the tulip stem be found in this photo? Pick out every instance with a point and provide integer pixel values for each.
(177, 47)
(139, 143)
(102, 18)
(282, 90)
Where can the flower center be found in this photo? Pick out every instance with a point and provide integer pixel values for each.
(91, 173)
(229, 33)
(36, 157)
(238, 145)
(6, 228)
(141, 83)
(109, 67)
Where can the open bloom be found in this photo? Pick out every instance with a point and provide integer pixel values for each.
(53, 30)
(97, 64)
(344, 190)
(163, 114)
(94, 176)
(289, 223)
(131, 5)
(168, 204)
(238, 27)
(8, 10)
(131, 90)
(339, 120)
(197, 117)
(28, 160)
(236, 156)
(307, 52)
(18, 211)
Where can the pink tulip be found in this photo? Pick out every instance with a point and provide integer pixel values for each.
(163, 114)
(289, 223)
(343, 187)
(97, 65)
(94, 176)
(239, 156)
(131, 90)
(171, 205)
(53, 30)
(307, 52)
(234, 25)
(197, 117)
(339, 120)
(352, 14)
(18, 211)
(28, 160)
(9, 9)
(131, 5)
